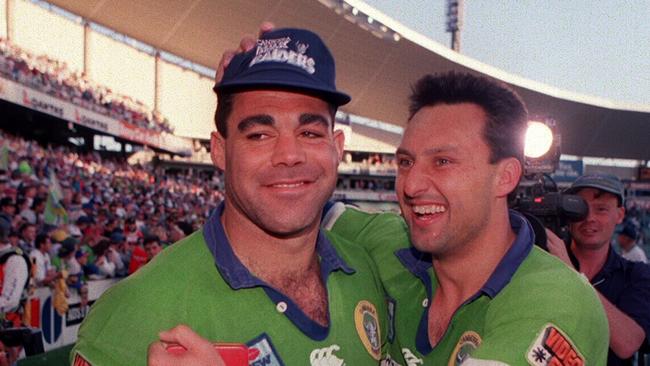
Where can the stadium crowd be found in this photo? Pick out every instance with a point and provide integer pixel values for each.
(56, 79)
(82, 217)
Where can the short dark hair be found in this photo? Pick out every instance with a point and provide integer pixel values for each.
(151, 238)
(507, 116)
(40, 240)
(224, 108)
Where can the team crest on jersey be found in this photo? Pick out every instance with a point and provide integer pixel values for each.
(262, 353)
(467, 343)
(553, 348)
(367, 324)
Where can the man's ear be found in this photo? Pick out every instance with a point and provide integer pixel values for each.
(218, 150)
(620, 214)
(509, 172)
(339, 142)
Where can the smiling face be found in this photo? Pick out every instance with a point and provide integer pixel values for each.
(446, 187)
(280, 160)
(595, 232)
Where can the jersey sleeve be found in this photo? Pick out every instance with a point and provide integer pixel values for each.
(545, 326)
(381, 234)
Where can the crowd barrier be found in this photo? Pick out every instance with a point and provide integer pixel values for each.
(61, 330)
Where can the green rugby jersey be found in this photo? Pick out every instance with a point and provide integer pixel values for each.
(200, 282)
(533, 310)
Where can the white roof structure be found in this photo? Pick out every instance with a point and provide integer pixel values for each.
(376, 71)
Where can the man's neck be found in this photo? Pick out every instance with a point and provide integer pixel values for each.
(266, 255)
(462, 273)
(591, 260)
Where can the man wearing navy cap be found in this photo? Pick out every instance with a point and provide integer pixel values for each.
(623, 286)
(260, 272)
(627, 242)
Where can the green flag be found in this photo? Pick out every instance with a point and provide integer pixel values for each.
(55, 214)
(4, 157)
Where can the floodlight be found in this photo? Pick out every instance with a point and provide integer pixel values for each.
(541, 147)
(539, 139)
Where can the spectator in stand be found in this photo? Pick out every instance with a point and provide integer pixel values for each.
(623, 286)
(32, 214)
(105, 268)
(14, 277)
(627, 242)
(152, 246)
(44, 272)
(14, 274)
(14, 238)
(7, 210)
(27, 237)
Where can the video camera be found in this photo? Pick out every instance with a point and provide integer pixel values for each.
(31, 339)
(538, 197)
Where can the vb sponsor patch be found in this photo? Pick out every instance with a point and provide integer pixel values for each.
(554, 348)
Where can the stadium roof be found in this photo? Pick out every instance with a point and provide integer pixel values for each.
(377, 72)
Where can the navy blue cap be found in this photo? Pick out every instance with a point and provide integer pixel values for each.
(288, 58)
(605, 182)
(629, 230)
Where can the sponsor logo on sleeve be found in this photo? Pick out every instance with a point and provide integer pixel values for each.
(367, 324)
(467, 343)
(554, 348)
(261, 352)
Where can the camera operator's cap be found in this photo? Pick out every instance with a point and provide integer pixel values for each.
(604, 182)
(285, 59)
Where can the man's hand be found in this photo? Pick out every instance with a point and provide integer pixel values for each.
(198, 351)
(557, 248)
(246, 44)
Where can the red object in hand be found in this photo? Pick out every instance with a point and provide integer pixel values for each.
(233, 354)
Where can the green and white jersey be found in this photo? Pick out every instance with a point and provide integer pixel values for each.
(533, 310)
(200, 282)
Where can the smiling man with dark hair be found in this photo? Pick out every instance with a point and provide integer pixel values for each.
(261, 271)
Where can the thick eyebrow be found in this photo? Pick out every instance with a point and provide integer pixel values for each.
(312, 118)
(258, 119)
(403, 151)
(441, 149)
(431, 151)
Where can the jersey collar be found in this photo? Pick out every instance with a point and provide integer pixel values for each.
(418, 262)
(238, 276)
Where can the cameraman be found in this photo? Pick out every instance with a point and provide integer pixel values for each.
(623, 286)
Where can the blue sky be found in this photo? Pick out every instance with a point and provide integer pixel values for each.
(599, 48)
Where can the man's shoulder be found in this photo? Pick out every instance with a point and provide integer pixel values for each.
(548, 287)
(546, 296)
(136, 304)
(639, 272)
(353, 224)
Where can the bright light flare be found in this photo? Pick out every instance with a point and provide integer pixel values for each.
(539, 139)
